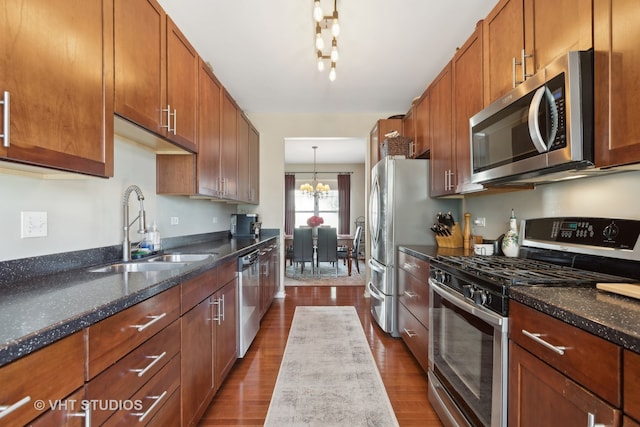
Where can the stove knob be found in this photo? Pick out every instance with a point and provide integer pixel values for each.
(468, 291)
(610, 231)
(480, 296)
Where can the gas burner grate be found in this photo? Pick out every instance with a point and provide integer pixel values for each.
(525, 272)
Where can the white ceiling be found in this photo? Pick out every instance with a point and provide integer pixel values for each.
(263, 53)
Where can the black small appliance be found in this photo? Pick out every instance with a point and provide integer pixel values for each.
(242, 225)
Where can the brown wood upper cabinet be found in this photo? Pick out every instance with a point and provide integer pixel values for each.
(254, 165)
(441, 127)
(423, 130)
(244, 171)
(156, 72)
(60, 106)
(521, 36)
(617, 60)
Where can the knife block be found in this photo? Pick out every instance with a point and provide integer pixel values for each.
(453, 241)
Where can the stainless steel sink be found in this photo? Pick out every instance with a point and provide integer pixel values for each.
(181, 258)
(142, 266)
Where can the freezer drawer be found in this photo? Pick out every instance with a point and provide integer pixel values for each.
(383, 310)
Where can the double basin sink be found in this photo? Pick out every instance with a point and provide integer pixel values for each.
(154, 263)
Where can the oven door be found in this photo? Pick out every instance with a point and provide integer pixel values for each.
(467, 360)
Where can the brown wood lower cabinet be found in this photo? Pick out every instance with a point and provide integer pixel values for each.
(208, 338)
(46, 375)
(541, 396)
(413, 306)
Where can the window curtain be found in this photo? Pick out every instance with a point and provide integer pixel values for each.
(289, 203)
(344, 204)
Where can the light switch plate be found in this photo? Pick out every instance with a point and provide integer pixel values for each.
(33, 224)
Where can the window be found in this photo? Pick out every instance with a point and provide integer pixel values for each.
(327, 207)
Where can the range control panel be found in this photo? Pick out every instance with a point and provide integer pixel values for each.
(601, 232)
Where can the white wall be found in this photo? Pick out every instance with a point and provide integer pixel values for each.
(86, 212)
(614, 196)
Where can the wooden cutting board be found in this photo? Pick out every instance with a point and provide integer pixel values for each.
(627, 289)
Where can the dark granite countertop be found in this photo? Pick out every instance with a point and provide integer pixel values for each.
(39, 310)
(614, 318)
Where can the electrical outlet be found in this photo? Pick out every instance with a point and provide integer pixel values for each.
(479, 222)
(33, 224)
(175, 220)
(215, 220)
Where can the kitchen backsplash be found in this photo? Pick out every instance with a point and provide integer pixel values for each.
(614, 195)
(86, 212)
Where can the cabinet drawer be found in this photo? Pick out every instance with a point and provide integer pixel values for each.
(112, 338)
(227, 272)
(48, 374)
(631, 378)
(587, 359)
(197, 289)
(121, 380)
(415, 335)
(151, 398)
(413, 265)
(413, 293)
(70, 413)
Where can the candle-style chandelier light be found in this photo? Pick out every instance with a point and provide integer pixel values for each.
(326, 22)
(315, 189)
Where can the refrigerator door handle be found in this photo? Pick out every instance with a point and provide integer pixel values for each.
(376, 266)
(374, 292)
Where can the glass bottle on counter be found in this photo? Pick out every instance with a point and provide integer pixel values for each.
(510, 245)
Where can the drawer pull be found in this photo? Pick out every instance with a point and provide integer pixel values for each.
(6, 410)
(153, 320)
(86, 415)
(409, 333)
(143, 415)
(6, 120)
(591, 421)
(410, 294)
(144, 370)
(536, 337)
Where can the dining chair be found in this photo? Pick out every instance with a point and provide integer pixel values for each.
(303, 247)
(346, 254)
(327, 247)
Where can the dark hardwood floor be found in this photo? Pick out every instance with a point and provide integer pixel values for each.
(244, 397)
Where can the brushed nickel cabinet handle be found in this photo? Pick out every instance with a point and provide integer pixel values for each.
(536, 337)
(143, 415)
(156, 359)
(410, 294)
(153, 320)
(591, 421)
(6, 410)
(6, 119)
(409, 333)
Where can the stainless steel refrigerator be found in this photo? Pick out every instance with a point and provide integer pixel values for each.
(400, 213)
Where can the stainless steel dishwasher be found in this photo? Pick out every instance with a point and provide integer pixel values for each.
(248, 300)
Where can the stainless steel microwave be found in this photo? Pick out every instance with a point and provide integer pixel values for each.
(543, 128)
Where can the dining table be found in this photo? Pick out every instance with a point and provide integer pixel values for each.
(343, 240)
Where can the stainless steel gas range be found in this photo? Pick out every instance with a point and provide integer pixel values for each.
(469, 306)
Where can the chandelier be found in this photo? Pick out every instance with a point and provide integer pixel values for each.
(326, 22)
(315, 189)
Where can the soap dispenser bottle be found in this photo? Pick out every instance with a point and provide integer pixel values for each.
(510, 245)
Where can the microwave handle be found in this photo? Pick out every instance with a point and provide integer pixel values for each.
(534, 110)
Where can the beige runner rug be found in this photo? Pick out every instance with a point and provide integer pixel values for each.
(328, 376)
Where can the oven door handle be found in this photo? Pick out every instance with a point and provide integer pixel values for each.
(498, 322)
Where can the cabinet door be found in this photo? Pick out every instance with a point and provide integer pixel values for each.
(541, 396)
(140, 62)
(254, 165)
(56, 62)
(226, 350)
(617, 61)
(196, 355)
(423, 129)
(442, 152)
(553, 28)
(182, 88)
(208, 168)
(467, 101)
(229, 152)
(243, 158)
(409, 127)
(503, 41)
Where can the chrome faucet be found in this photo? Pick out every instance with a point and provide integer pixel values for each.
(142, 228)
